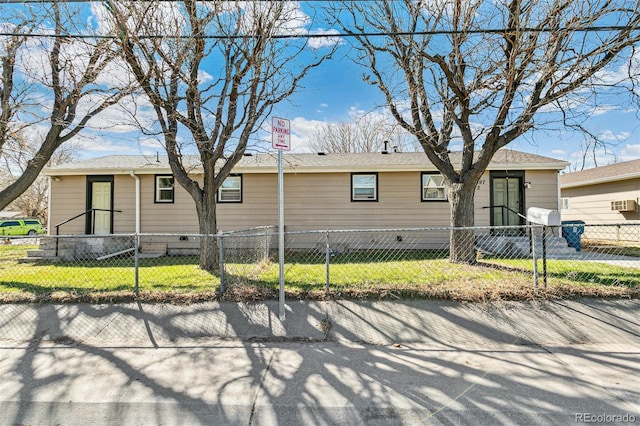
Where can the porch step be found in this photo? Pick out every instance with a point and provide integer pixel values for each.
(39, 259)
(520, 246)
(35, 256)
(43, 254)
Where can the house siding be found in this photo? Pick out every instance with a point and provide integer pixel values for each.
(543, 191)
(592, 203)
(67, 199)
(313, 201)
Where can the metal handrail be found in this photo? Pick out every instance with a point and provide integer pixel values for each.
(82, 214)
(92, 211)
(508, 208)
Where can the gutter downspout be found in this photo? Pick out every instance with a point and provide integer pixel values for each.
(559, 193)
(49, 203)
(137, 178)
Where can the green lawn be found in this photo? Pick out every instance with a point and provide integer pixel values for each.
(413, 274)
(581, 273)
(111, 275)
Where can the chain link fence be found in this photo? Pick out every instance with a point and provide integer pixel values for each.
(401, 261)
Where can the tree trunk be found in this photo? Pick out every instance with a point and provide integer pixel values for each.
(208, 227)
(462, 241)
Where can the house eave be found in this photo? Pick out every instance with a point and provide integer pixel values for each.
(297, 169)
(597, 181)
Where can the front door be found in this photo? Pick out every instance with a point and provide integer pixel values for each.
(100, 198)
(507, 198)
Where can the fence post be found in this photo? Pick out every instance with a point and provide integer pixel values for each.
(265, 241)
(544, 255)
(221, 262)
(136, 243)
(535, 261)
(327, 255)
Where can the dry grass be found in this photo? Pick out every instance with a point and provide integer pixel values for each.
(463, 292)
(177, 281)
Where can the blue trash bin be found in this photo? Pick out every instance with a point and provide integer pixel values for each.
(572, 231)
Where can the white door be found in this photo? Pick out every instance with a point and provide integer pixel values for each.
(101, 199)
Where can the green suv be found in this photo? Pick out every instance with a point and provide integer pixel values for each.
(20, 227)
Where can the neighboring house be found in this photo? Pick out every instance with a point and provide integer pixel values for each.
(321, 191)
(602, 195)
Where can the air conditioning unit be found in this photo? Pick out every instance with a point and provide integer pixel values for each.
(624, 205)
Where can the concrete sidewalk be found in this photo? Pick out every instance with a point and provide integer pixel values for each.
(339, 362)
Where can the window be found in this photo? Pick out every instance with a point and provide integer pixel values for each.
(433, 188)
(364, 187)
(564, 204)
(231, 190)
(164, 189)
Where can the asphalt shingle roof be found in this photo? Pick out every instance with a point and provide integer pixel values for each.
(503, 159)
(618, 171)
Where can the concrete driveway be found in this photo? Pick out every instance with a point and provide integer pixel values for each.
(341, 362)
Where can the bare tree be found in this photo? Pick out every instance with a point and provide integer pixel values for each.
(14, 159)
(66, 70)
(368, 132)
(483, 73)
(219, 89)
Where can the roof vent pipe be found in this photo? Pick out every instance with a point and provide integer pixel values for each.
(386, 147)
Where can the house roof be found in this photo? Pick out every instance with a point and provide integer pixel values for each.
(301, 163)
(602, 174)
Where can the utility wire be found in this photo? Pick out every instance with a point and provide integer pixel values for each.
(607, 28)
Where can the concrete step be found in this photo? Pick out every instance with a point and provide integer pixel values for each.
(39, 259)
(41, 253)
(520, 246)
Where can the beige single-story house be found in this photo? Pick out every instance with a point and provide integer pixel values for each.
(321, 191)
(602, 195)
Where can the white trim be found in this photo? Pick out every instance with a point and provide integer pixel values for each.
(380, 168)
(600, 180)
(159, 190)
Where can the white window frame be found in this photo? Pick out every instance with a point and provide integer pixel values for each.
(424, 186)
(225, 192)
(565, 204)
(162, 188)
(355, 186)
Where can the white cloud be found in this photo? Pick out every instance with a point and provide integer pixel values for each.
(328, 41)
(302, 131)
(558, 152)
(97, 145)
(608, 135)
(630, 152)
(604, 109)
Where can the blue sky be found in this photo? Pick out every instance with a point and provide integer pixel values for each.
(334, 92)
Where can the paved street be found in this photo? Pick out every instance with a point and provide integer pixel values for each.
(405, 362)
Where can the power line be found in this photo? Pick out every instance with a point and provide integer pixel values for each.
(605, 28)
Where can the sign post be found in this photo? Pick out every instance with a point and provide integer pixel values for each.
(281, 140)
